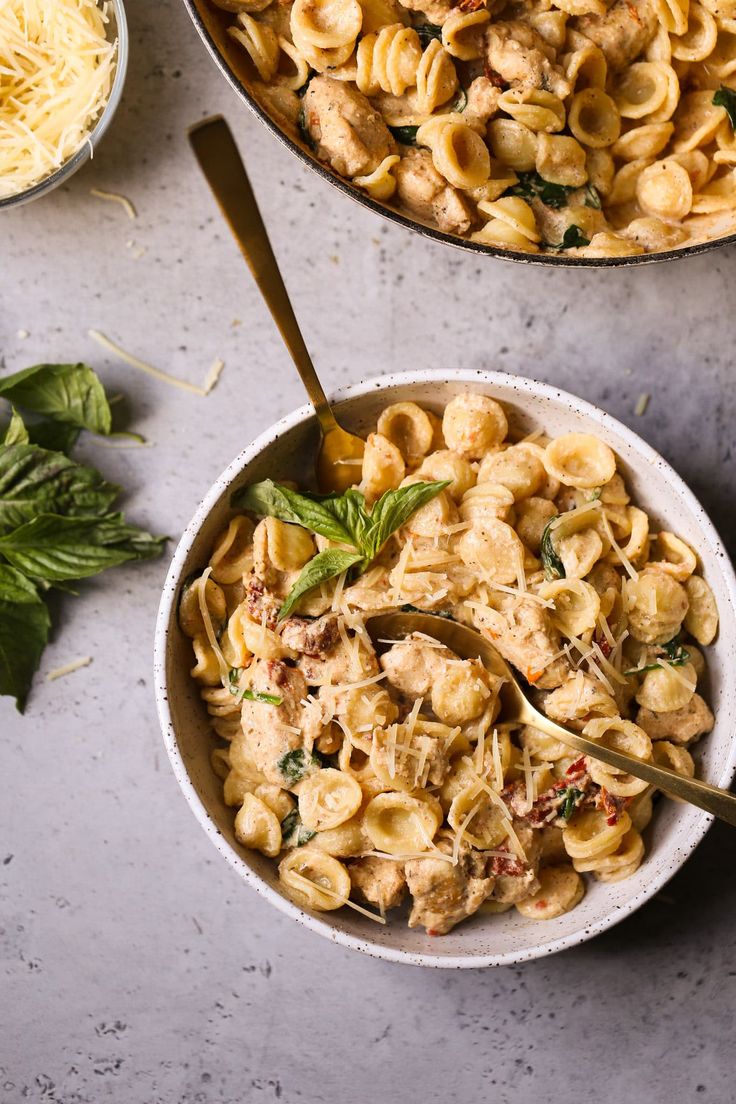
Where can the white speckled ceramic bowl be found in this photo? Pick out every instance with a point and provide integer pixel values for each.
(283, 451)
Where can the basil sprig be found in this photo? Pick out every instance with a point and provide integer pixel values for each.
(343, 519)
(56, 524)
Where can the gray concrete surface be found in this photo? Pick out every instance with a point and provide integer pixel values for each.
(135, 967)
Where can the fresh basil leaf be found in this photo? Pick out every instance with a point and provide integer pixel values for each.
(394, 508)
(533, 186)
(34, 481)
(16, 433)
(55, 548)
(405, 135)
(592, 198)
(573, 238)
(257, 696)
(293, 832)
(673, 652)
(314, 512)
(54, 436)
(295, 764)
(553, 565)
(409, 608)
(349, 509)
(428, 32)
(301, 123)
(70, 393)
(325, 565)
(24, 630)
(570, 798)
(726, 97)
(461, 101)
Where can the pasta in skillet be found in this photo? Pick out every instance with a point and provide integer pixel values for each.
(600, 128)
(373, 774)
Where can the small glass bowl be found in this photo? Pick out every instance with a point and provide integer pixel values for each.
(116, 28)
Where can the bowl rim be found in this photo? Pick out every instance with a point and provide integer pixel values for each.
(86, 150)
(523, 386)
(549, 260)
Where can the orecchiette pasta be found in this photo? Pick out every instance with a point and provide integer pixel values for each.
(512, 124)
(372, 768)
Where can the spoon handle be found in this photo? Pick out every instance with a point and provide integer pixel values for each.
(218, 157)
(720, 803)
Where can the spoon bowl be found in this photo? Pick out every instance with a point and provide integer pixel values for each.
(470, 644)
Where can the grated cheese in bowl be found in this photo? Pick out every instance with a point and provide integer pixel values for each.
(62, 64)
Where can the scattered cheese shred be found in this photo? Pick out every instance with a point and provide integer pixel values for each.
(157, 373)
(675, 672)
(461, 832)
(336, 897)
(528, 780)
(409, 855)
(68, 668)
(210, 380)
(116, 197)
(628, 566)
(497, 764)
(209, 630)
(56, 72)
(641, 404)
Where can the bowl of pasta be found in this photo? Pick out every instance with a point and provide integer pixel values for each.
(371, 788)
(578, 132)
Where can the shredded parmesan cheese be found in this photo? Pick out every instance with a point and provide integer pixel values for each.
(336, 897)
(68, 668)
(56, 72)
(209, 630)
(641, 404)
(461, 832)
(116, 197)
(157, 373)
(528, 780)
(497, 764)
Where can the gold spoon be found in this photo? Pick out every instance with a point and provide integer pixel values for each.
(218, 157)
(517, 709)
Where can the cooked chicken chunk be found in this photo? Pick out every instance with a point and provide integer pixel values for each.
(519, 55)
(681, 726)
(380, 882)
(427, 194)
(338, 665)
(445, 894)
(345, 128)
(406, 762)
(524, 634)
(263, 607)
(312, 638)
(514, 878)
(482, 102)
(272, 731)
(436, 11)
(413, 668)
(623, 32)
